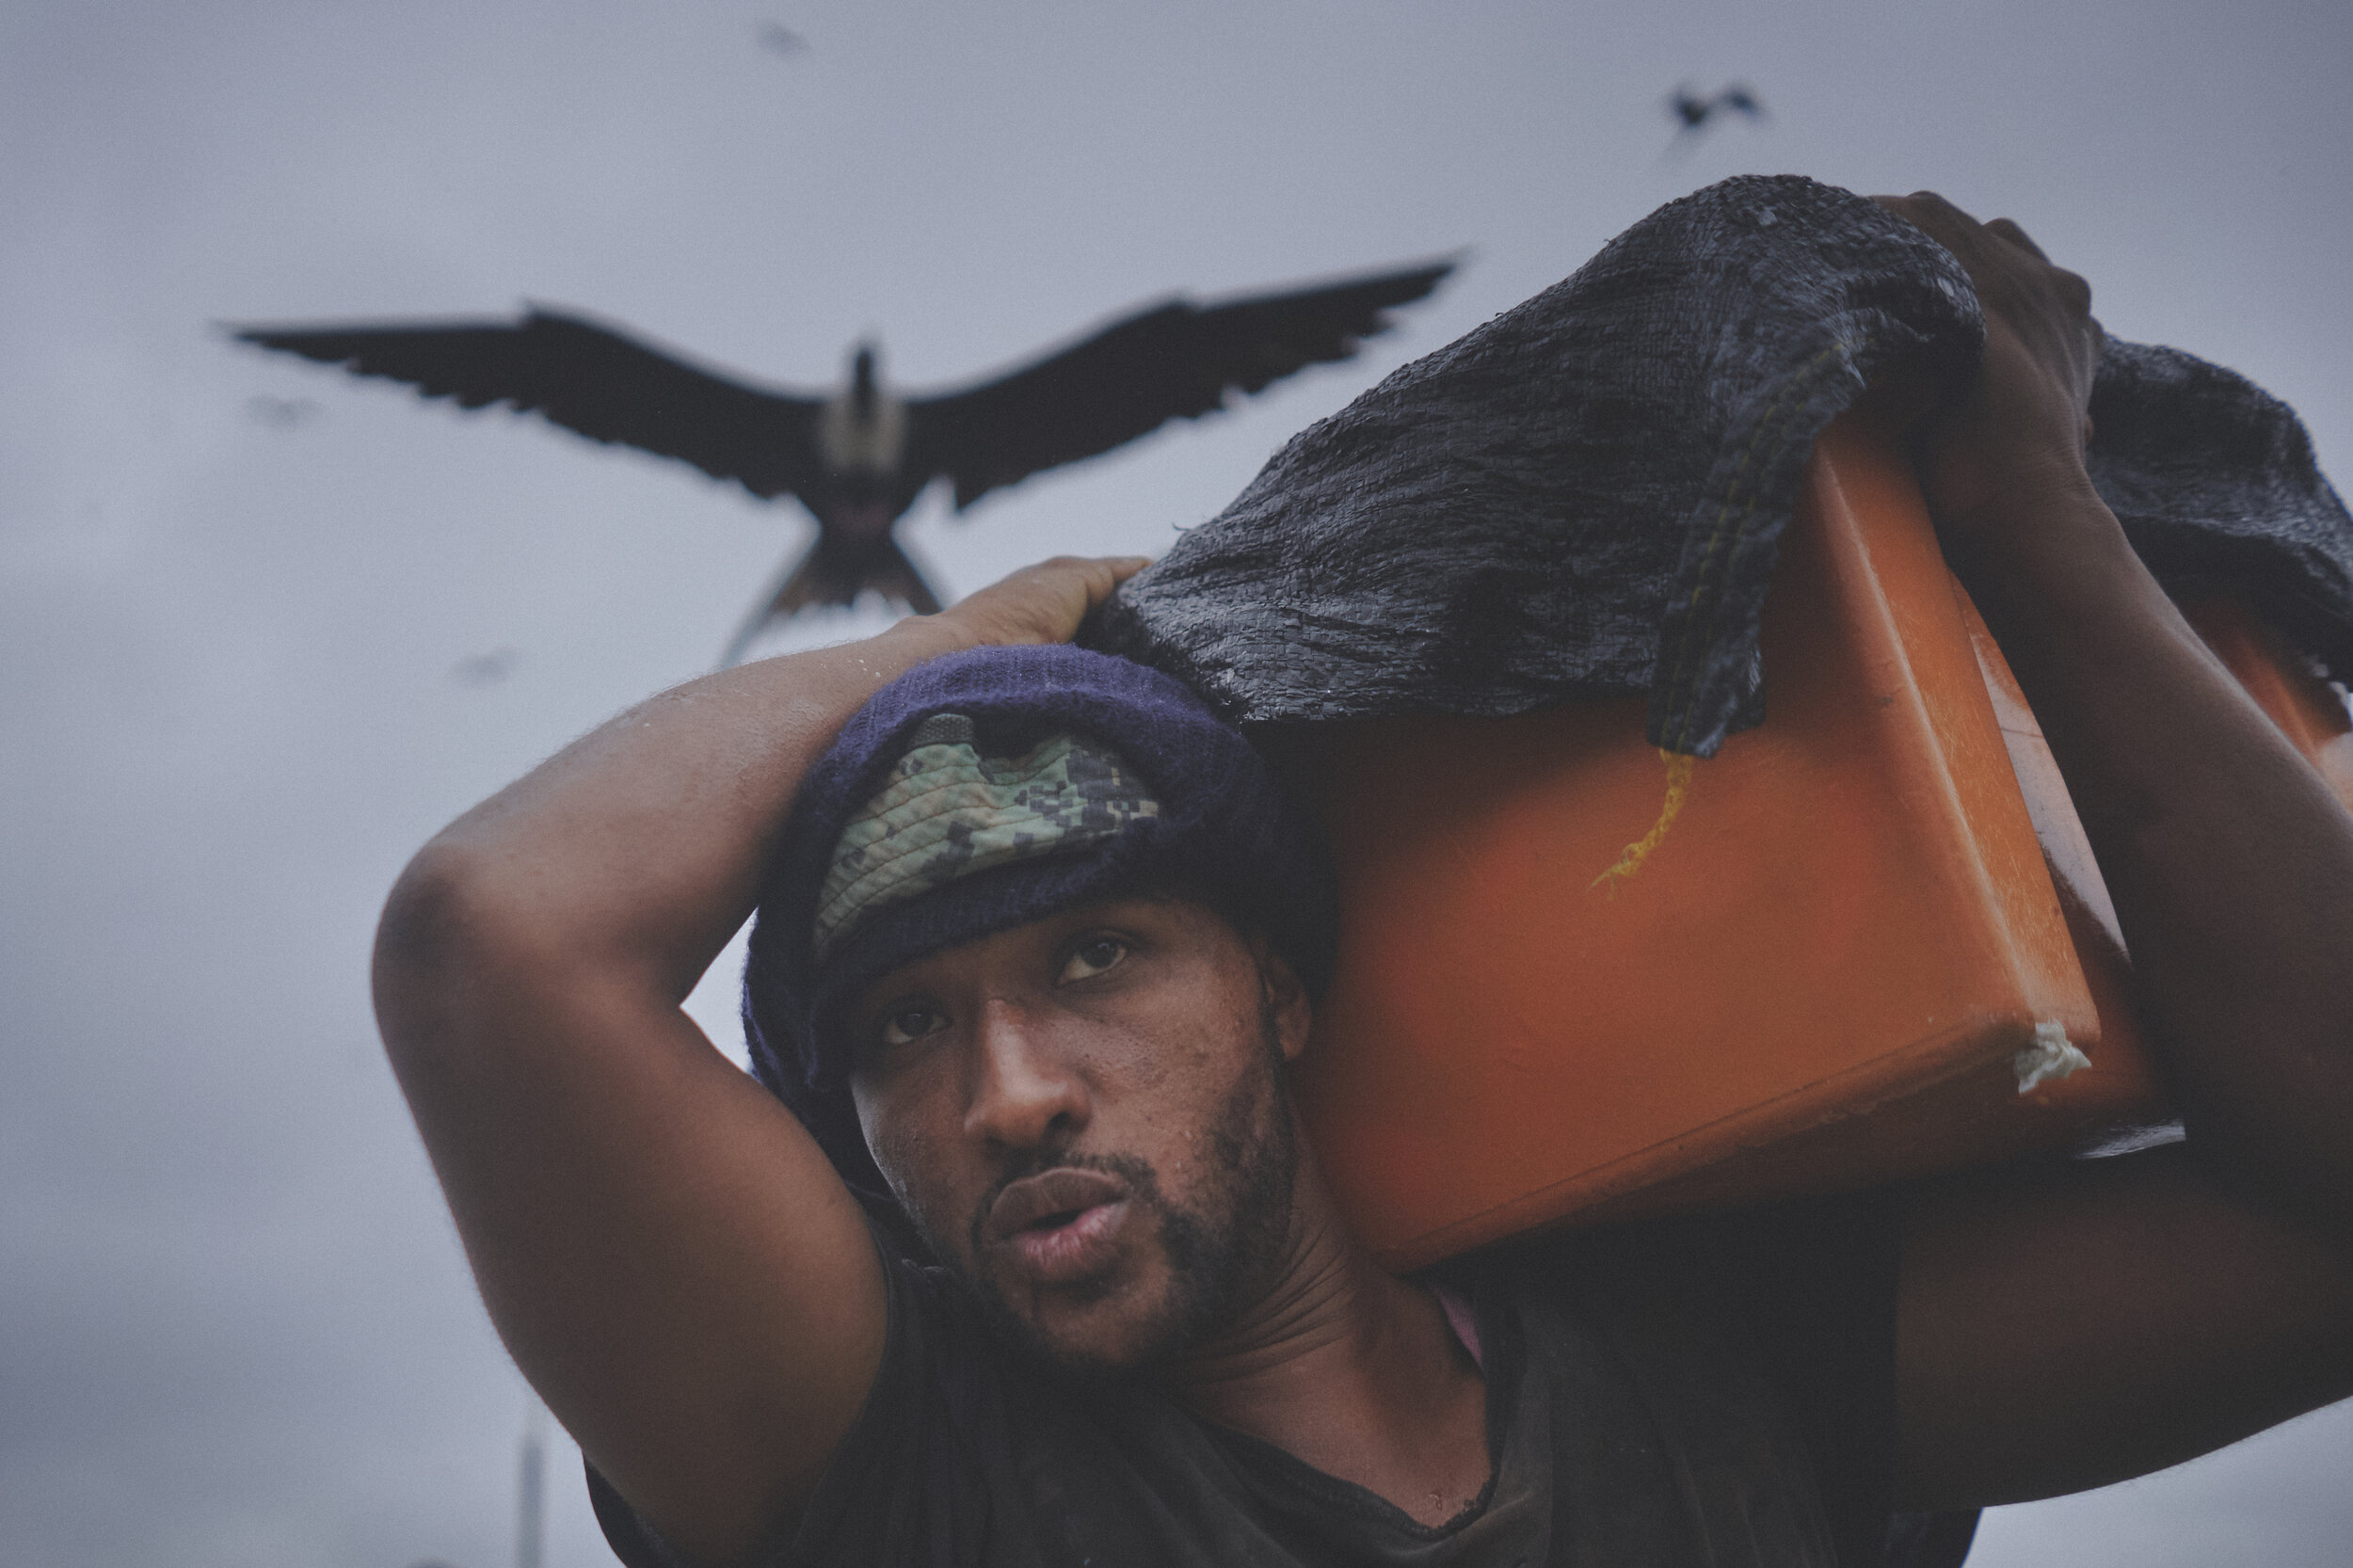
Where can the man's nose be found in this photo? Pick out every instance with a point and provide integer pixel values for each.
(1023, 1094)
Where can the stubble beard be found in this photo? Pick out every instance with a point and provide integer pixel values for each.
(1222, 1251)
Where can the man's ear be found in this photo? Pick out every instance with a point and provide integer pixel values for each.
(1285, 998)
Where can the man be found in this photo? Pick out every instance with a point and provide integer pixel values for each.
(1149, 1339)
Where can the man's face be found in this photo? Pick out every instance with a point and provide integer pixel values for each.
(1086, 1118)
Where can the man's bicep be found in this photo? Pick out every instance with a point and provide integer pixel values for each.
(734, 1324)
(666, 1251)
(2069, 1324)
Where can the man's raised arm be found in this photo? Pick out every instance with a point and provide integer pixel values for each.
(668, 1256)
(2073, 1324)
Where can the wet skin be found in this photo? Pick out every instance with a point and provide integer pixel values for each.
(1086, 1118)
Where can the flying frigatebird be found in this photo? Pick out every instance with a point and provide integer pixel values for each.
(859, 459)
(1694, 112)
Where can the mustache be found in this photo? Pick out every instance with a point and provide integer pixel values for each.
(1142, 1182)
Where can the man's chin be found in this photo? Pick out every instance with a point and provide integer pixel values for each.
(1101, 1328)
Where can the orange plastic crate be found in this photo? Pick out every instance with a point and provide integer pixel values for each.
(1820, 978)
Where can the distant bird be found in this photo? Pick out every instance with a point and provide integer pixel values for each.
(282, 413)
(775, 36)
(859, 459)
(486, 669)
(1695, 112)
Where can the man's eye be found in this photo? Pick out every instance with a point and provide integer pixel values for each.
(1091, 957)
(908, 1025)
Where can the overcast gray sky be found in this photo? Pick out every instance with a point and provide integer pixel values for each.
(235, 1328)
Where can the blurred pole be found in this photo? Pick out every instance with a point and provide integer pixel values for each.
(531, 1489)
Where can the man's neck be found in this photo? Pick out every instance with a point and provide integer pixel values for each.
(1349, 1370)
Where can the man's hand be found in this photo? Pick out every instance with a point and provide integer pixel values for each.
(1043, 603)
(2018, 434)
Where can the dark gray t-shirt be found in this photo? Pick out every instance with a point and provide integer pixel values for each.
(1718, 1392)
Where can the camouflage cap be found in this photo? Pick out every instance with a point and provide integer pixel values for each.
(952, 810)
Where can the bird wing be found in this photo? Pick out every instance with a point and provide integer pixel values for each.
(586, 377)
(1174, 361)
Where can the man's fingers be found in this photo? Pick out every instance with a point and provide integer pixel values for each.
(1046, 602)
(2010, 232)
(1955, 228)
(1966, 238)
(1100, 574)
(2076, 289)
(1919, 201)
(1926, 210)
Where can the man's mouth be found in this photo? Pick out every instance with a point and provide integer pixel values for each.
(1061, 1226)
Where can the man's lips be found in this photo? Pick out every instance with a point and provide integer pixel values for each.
(1060, 1225)
(1064, 1192)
